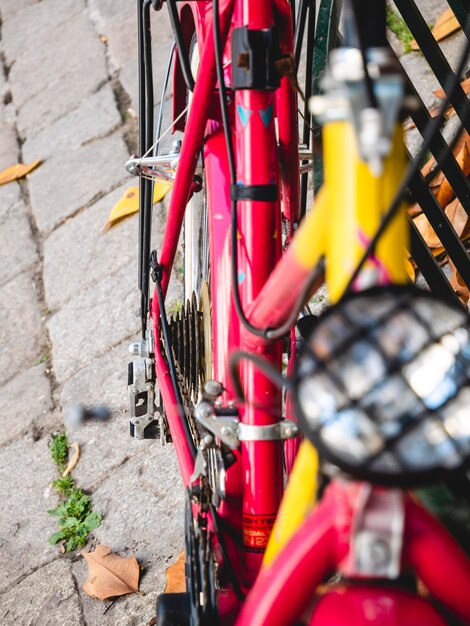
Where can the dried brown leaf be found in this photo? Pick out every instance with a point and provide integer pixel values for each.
(109, 574)
(457, 217)
(450, 111)
(445, 25)
(465, 84)
(427, 231)
(73, 459)
(445, 193)
(15, 172)
(458, 284)
(175, 576)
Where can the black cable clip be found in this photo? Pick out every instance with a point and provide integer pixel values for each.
(155, 267)
(254, 54)
(260, 193)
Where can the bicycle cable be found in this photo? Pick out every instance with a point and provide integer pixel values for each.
(262, 364)
(451, 86)
(156, 148)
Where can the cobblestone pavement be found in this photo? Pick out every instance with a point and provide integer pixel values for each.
(68, 295)
(68, 298)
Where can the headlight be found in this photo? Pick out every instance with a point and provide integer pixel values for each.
(383, 385)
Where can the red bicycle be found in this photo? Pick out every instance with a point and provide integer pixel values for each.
(251, 261)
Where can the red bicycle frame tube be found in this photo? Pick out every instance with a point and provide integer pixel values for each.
(285, 589)
(191, 146)
(259, 236)
(259, 250)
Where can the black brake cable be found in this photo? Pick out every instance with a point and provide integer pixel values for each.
(262, 364)
(452, 84)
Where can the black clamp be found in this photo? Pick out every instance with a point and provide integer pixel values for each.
(260, 193)
(155, 267)
(254, 56)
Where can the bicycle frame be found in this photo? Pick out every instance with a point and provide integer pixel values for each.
(270, 284)
(259, 225)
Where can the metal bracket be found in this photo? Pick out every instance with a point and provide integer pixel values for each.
(145, 348)
(285, 429)
(254, 53)
(141, 389)
(162, 167)
(344, 99)
(231, 431)
(376, 534)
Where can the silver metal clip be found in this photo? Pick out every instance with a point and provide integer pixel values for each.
(231, 431)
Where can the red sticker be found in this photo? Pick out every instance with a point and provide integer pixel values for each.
(257, 530)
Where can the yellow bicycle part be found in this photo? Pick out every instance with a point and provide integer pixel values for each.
(346, 215)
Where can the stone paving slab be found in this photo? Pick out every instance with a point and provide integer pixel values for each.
(59, 97)
(31, 27)
(99, 317)
(11, 203)
(122, 20)
(69, 268)
(18, 250)
(20, 326)
(104, 381)
(161, 46)
(8, 145)
(104, 447)
(26, 471)
(8, 8)
(147, 524)
(53, 603)
(24, 398)
(75, 46)
(62, 186)
(102, 12)
(95, 117)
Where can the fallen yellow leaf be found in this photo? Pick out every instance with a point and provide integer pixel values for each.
(15, 172)
(74, 459)
(109, 574)
(129, 203)
(175, 576)
(445, 25)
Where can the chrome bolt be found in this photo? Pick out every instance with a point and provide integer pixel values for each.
(203, 411)
(207, 441)
(213, 388)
